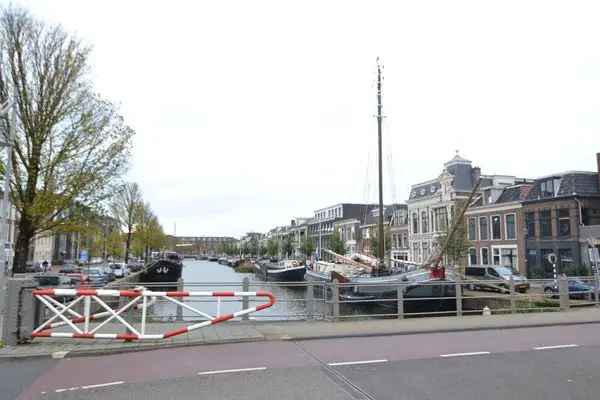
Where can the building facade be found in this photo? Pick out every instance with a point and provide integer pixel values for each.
(562, 216)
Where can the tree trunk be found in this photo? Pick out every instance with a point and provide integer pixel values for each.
(127, 246)
(22, 246)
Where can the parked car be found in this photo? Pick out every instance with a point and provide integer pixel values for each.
(108, 273)
(52, 280)
(501, 276)
(78, 278)
(119, 269)
(69, 269)
(577, 289)
(96, 277)
(34, 267)
(135, 266)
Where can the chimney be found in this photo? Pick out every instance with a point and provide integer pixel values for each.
(475, 174)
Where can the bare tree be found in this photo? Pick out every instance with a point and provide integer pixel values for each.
(70, 145)
(126, 207)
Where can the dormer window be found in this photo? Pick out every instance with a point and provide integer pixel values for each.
(547, 188)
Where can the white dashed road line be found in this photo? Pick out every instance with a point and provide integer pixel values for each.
(474, 353)
(102, 385)
(99, 385)
(560, 346)
(357, 362)
(226, 371)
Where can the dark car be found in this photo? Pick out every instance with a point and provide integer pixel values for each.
(577, 289)
(96, 277)
(69, 269)
(135, 266)
(52, 280)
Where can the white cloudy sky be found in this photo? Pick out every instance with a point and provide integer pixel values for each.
(249, 113)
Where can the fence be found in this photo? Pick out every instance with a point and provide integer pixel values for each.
(343, 301)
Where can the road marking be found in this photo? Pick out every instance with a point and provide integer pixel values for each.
(65, 389)
(102, 385)
(357, 362)
(59, 354)
(474, 353)
(88, 386)
(560, 346)
(225, 371)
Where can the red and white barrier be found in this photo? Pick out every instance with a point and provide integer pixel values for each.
(140, 300)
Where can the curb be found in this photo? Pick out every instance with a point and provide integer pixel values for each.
(424, 332)
(105, 352)
(274, 338)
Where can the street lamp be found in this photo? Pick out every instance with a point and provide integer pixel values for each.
(8, 110)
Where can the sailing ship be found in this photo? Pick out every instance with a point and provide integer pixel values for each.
(363, 275)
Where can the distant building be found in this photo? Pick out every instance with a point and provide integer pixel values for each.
(199, 244)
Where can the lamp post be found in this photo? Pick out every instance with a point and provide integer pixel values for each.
(9, 111)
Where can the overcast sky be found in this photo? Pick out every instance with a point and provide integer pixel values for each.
(249, 113)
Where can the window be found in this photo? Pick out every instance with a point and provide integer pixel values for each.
(424, 222)
(484, 230)
(492, 272)
(425, 251)
(547, 188)
(509, 258)
(510, 226)
(485, 256)
(496, 256)
(530, 222)
(441, 219)
(564, 222)
(545, 223)
(496, 235)
(472, 256)
(415, 222)
(472, 229)
(416, 252)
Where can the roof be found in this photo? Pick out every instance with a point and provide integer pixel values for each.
(514, 193)
(569, 183)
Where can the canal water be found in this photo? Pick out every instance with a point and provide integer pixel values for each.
(199, 275)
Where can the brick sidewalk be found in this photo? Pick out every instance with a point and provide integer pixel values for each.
(230, 332)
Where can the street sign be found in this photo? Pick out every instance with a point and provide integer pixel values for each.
(83, 256)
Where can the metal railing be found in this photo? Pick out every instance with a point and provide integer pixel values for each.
(339, 301)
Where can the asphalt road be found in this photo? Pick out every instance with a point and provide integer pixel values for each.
(560, 363)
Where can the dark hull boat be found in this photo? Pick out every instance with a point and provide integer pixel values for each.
(162, 271)
(293, 274)
(285, 271)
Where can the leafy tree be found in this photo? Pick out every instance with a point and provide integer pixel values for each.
(262, 250)
(114, 244)
(287, 247)
(336, 244)
(307, 246)
(70, 144)
(272, 248)
(126, 208)
(253, 247)
(149, 234)
(387, 244)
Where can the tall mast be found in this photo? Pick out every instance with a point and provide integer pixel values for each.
(381, 241)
